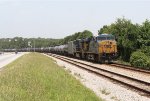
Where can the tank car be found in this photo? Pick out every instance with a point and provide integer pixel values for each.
(71, 48)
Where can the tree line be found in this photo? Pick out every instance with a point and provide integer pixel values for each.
(19, 42)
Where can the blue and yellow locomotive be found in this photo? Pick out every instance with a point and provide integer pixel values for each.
(100, 48)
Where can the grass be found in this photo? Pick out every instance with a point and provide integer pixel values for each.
(104, 91)
(35, 77)
(123, 62)
(115, 98)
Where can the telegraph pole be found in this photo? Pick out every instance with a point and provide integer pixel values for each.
(29, 45)
(34, 44)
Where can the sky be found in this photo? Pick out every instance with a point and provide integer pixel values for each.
(60, 18)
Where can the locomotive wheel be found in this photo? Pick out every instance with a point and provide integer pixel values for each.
(102, 61)
(87, 57)
(109, 61)
(96, 59)
(80, 55)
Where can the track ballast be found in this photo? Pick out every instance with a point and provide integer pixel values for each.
(142, 87)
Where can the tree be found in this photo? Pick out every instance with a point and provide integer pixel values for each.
(126, 34)
(144, 38)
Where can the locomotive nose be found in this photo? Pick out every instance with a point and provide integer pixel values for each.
(108, 47)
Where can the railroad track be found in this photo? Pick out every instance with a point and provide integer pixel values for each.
(142, 87)
(129, 68)
(116, 65)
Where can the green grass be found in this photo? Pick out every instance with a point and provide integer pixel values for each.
(123, 62)
(35, 77)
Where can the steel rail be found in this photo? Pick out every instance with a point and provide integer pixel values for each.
(129, 68)
(147, 72)
(76, 63)
(144, 82)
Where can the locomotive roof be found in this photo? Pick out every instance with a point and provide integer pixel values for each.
(104, 35)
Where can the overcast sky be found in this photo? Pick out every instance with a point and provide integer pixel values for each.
(59, 18)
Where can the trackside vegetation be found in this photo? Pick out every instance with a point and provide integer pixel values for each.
(35, 77)
(139, 59)
(133, 41)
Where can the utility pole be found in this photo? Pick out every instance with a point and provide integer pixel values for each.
(29, 45)
(1, 46)
(16, 46)
(34, 44)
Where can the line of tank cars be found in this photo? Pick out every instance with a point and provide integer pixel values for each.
(100, 49)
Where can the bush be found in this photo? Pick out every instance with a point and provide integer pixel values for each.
(146, 50)
(139, 59)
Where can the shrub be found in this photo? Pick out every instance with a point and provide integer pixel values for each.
(146, 50)
(139, 59)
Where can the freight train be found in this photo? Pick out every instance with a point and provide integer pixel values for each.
(99, 49)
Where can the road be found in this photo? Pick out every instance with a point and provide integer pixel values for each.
(7, 58)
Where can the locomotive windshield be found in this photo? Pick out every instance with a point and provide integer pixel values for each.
(105, 37)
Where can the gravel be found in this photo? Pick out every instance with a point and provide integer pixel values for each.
(104, 88)
(130, 73)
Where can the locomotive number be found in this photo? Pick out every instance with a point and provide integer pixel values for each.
(107, 46)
